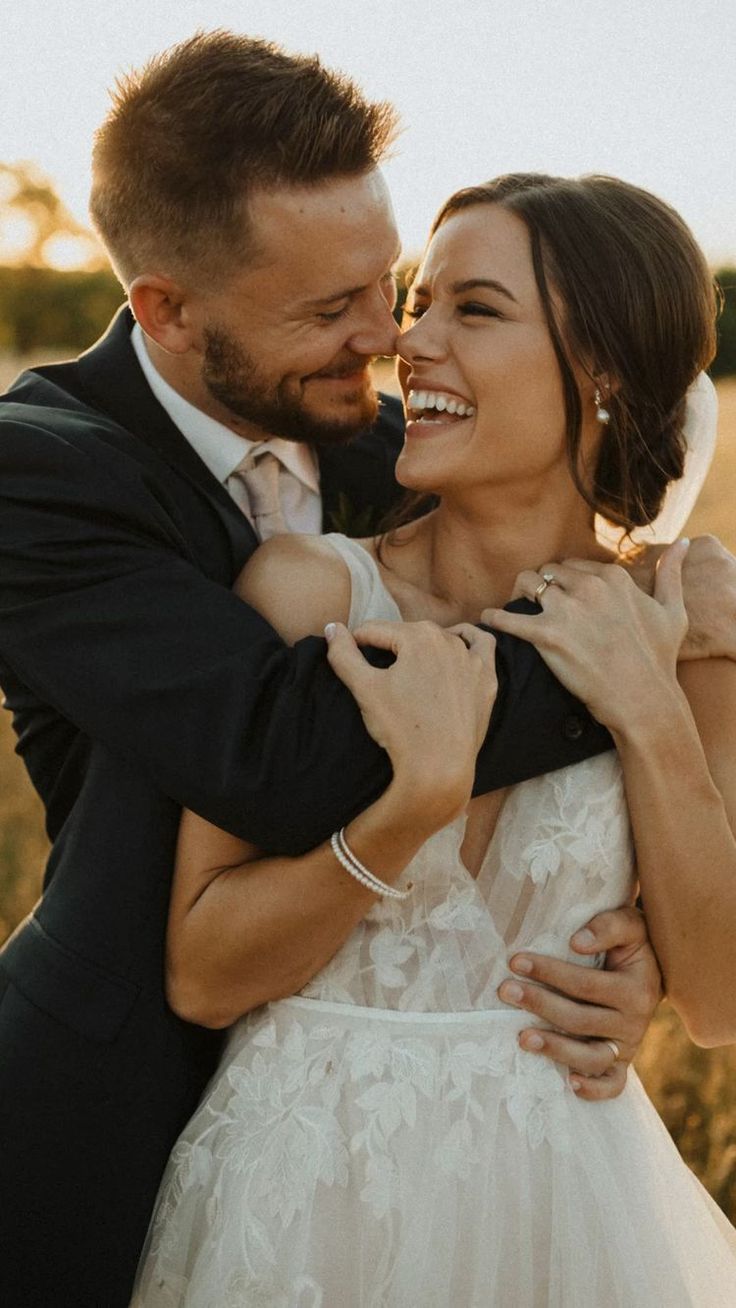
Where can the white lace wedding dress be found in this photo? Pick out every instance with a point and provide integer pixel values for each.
(381, 1141)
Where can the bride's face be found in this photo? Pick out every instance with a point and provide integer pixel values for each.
(480, 339)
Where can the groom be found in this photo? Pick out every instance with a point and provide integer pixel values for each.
(237, 192)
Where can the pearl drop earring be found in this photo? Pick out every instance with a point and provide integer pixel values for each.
(601, 414)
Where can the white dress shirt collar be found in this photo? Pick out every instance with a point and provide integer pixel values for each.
(221, 449)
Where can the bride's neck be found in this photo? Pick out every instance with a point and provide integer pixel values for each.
(472, 549)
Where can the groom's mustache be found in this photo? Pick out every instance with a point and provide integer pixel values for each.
(344, 368)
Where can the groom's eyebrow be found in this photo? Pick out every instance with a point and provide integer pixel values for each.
(352, 290)
(489, 283)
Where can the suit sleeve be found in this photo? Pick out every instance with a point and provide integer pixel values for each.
(105, 617)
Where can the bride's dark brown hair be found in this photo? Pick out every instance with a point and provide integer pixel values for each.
(638, 307)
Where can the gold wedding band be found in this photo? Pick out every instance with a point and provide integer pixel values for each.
(548, 579)
(614, 1049)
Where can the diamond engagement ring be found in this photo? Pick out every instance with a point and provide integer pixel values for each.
(548, 579)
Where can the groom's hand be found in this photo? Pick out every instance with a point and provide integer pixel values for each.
(589, 1007)
(709, 591)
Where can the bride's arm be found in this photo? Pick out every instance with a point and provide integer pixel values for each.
(616, 648)
(680, 771)
(245, 929)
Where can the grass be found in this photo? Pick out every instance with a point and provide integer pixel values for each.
(691, 1087)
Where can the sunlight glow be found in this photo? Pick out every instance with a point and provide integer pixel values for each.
(16, 235)
(65, 252)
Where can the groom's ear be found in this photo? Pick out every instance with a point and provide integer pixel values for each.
(159, 305)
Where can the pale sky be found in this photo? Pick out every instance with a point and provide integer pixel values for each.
(643, 89)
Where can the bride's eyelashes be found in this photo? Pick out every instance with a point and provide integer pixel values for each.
(475, 310)
(471, 309)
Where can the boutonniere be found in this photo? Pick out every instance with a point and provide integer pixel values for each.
(350, 521)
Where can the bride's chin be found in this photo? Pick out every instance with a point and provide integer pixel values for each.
(414, 480)
(419, 484)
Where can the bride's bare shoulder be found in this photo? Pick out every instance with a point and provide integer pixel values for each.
(298, 583)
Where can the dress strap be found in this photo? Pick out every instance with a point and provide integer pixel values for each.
(369, 597)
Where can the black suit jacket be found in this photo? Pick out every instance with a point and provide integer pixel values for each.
(140, 684)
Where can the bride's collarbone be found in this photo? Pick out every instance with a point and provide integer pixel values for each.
(418, 605)
(403, 568)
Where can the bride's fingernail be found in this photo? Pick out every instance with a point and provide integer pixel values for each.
(511, 991)
(533, 1041)
(330, 630)
(575, 1084)
(584, 939)
(522, 964)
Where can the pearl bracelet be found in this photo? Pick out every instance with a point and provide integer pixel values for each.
(345, 856)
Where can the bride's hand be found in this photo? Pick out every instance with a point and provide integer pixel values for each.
(430, 709)
(613, 646)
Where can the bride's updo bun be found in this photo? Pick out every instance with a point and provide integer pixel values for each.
(628, 295)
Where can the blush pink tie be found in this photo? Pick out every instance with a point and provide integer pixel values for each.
(260, 477)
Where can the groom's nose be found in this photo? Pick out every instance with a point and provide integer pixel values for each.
(375, 331)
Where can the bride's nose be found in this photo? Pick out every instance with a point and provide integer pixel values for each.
(420, 342)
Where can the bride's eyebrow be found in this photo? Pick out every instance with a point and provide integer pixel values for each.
(460, 288)
(489, 283)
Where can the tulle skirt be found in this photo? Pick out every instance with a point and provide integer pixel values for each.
(350, 1157)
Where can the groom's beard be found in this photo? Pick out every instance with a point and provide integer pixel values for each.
(232, 377)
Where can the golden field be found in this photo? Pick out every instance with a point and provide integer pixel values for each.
(692, 1088)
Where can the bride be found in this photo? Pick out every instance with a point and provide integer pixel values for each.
(380, 1135)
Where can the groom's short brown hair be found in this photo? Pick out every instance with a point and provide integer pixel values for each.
(203, 124)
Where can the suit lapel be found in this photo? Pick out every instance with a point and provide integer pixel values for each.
(358, 478)
(113, 381)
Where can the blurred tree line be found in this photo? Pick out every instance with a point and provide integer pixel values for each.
(56, 286)
(45, 307)
(724, 364)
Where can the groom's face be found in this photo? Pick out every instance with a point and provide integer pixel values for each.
(286, 344)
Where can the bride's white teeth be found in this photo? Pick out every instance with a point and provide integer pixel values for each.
(424, 402)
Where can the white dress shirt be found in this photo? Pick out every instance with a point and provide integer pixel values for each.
(224, 452)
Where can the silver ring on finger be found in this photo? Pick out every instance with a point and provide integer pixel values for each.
(548, 579)
(614, 1049)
